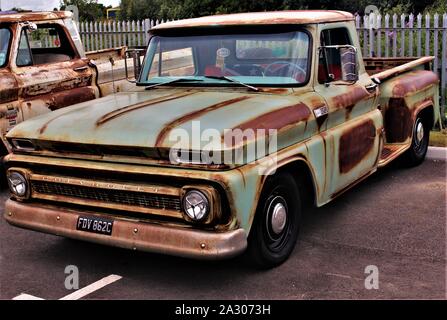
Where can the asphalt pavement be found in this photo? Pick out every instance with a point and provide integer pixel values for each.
(395, 221)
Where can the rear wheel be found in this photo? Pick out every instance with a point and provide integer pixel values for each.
(419, 144)
(276, 225)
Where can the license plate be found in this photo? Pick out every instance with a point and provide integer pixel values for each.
(95, 225)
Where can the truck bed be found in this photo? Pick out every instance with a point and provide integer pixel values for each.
(385, 68)
(112, 78)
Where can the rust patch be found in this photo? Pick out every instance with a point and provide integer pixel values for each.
(350, 98)
(262, 18)
(413, 81)
(279, 118)
(349, 108)
(119, 112)
(195, 114)
(64, 99)
(274, 90)
(398, 122)
(355, 144)
(9, 90)
(420, 105)
(35, 16)
(48, 80)
(44, 127)
(275, 120)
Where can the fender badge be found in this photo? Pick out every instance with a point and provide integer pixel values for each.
(321, 111)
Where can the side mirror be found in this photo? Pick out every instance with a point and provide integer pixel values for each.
(31, 26)
(341, 63)
(135, 56)
(348, 58)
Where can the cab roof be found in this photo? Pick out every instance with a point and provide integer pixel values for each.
(261, 18)
(34, 16)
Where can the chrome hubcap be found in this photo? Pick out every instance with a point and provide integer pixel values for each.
(419, 132)
(279, 218)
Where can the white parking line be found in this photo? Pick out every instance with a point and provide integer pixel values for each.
(25, 296)
(78, 294)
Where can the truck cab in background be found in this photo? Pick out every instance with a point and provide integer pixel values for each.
(43, 67)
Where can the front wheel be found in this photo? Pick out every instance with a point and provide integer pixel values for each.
(276, 224)
(419, 144)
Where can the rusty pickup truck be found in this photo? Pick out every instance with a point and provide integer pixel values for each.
(252, 119)
(43, 67)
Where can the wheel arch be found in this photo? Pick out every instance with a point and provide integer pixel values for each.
(426, 110)
(303, 174)
(301, 170)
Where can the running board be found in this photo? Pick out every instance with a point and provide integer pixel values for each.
(391, 152)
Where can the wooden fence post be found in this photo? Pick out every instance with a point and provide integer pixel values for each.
(402, 34)
(410, 38)
(419, 37)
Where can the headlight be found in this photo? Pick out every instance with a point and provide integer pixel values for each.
(17, 183)
(23, 144)
(196, 205)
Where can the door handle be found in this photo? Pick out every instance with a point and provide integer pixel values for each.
(80, 69)
(371, 87)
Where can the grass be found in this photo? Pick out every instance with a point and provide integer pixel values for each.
(438, 138)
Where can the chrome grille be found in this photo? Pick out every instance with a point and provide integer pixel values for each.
(139, 199)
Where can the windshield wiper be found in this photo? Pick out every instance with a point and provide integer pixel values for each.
(233, 81)
(171, 81)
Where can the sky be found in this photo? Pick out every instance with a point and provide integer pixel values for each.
(39, 5)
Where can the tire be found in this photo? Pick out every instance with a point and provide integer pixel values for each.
(415, 155)
(271, 241)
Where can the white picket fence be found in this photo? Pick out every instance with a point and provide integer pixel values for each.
(112, 34)
(407, 36)
(380, 36)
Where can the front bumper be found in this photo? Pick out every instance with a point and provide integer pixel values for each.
(129, 234)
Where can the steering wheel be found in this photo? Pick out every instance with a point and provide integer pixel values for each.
(285, 64)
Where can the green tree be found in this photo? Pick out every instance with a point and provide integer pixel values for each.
(139, 9)
(89, 10)
(180, 9)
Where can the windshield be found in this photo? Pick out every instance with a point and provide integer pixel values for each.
(5, 36)
(269, 59)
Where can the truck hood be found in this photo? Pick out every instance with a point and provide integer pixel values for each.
(161, 118)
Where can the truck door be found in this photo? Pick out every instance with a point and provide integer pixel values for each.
(9, 91)
(352, 122)
(49, 70)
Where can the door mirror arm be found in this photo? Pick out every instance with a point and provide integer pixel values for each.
(135, 55)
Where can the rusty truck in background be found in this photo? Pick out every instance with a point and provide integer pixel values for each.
(144, 170)
(43, 67)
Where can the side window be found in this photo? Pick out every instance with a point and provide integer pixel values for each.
(74, 33)
(24, 57)
(48, 44)
(329, 67)
(177, 63)
(5, 37)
